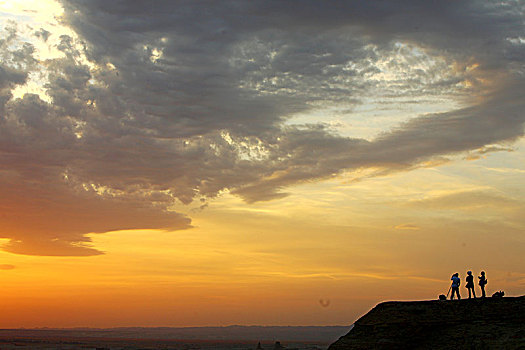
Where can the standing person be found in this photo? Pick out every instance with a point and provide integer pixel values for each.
(455, 286)
(482, 282)
(470, 284)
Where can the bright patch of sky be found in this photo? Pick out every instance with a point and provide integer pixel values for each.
(406, 82)
(37, 22)
(374, 115)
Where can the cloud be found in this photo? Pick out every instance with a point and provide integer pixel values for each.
(477, 154)
(6, 267)
(406, 227)
(467, 200)
(52, 219)
(154, 105)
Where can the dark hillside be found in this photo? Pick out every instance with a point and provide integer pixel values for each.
(491, 323)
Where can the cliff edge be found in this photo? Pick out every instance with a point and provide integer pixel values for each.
(490, 323)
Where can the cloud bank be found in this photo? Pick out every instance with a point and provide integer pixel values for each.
(153, 104)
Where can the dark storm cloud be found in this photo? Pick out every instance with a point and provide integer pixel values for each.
(179, 100)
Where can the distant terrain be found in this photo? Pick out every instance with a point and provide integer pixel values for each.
(490, 323)
(230, 337)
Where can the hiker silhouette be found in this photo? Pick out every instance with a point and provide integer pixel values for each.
(482, 282)
(470, 284)
(455, 286)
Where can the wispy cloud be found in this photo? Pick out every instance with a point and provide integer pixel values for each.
(406, 227)
(507, 170)
(474, 199)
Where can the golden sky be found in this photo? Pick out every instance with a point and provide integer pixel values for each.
(248, 163)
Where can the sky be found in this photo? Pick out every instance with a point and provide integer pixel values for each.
(198, 163)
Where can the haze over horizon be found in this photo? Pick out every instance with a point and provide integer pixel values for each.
(182, 163)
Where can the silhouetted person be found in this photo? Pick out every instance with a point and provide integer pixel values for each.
(455, 286)
(470, 284)
(482, 283)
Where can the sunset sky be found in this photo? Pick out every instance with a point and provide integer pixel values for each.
(193, 163)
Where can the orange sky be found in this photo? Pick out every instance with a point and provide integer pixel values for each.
(272, 263)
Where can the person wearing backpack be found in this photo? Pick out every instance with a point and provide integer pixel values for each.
(470, 284)
(482, 282)
(455, 286)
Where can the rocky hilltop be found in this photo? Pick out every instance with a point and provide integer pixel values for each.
(490, 323)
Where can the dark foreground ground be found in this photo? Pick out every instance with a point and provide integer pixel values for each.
(490, 323)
